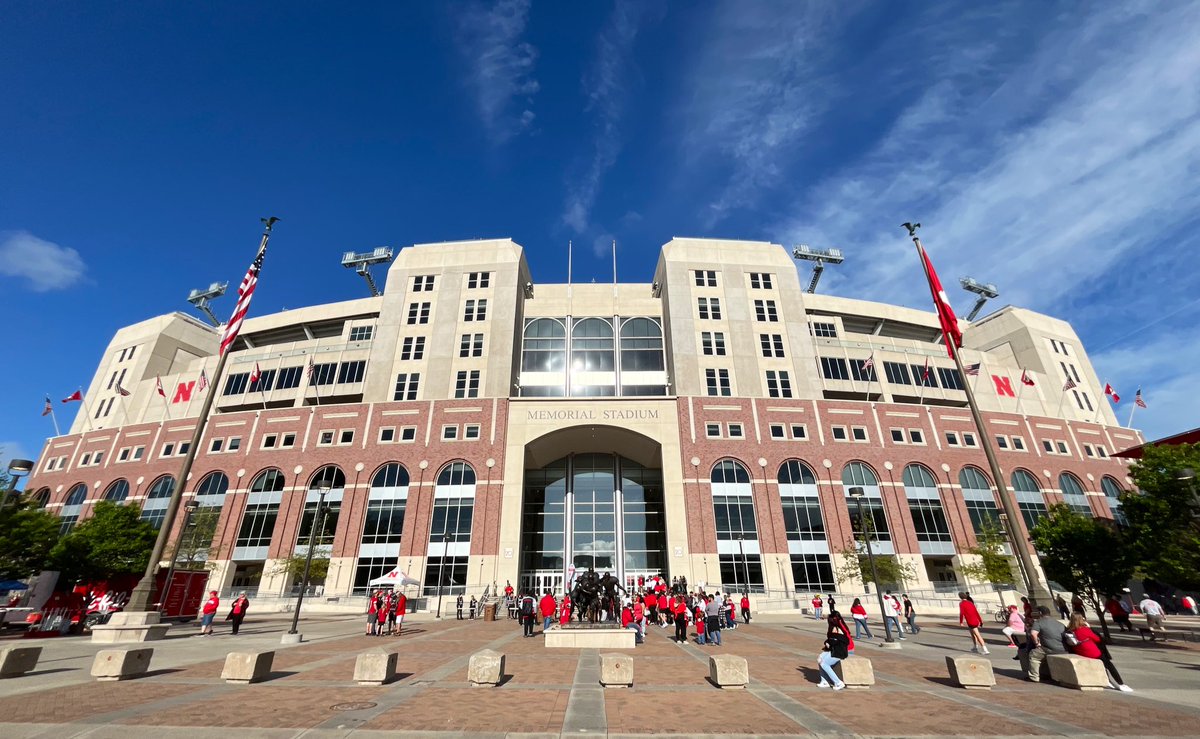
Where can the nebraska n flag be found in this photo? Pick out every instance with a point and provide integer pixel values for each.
(1108, 390)
(945, 313)
(122, 391)
(1137, 399)
(158, 386)
(75, 396)
(257, 373)
(245, 292)
(1025, 378)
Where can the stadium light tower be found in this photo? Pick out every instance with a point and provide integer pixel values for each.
(820, 256)
(361, 263)
(201, 299)
(985, 291)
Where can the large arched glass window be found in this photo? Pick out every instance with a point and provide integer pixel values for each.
(262, 510)
(1073, 494)
(117, 491)
(857, 474)
(642, 352)
(73, 503)
(925, 507)
(41, 498)
(158, 497)
(593, 359)
(211, 490)
(737, 530)
(1112, 493)
(979, 498)
(383, 524)
(1029, 497)
(450, 529)
(544, 358)
(331, 479)
(808, 547)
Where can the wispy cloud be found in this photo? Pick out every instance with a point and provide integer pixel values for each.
(501, 65)
(10, 450)
(606, 85)
(45, 264)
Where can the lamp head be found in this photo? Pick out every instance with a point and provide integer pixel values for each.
(856, 492)
(19, 467)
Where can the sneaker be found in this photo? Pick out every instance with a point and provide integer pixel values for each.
(840, 686)
(985, 650)
(1124, 688)
(822, 684)
(974, 650)
(1012, 646)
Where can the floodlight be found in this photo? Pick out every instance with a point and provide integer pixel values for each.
(201, 299)
(985, 291)
(361, 263)
(820, 257)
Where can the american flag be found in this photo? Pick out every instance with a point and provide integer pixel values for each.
(49, 407)
(972, 369)
(1068, 385)
(122, 391)
(202, 382)
(1137, 399)
(245, 293)
(311, 368)
(868, 363)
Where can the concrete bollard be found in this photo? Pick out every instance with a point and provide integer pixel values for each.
(1077, 672)
(247, 667)
(486, 668)
(15, 661)
(375, 668)
(616, 670)
(855, 672)
(121, 664)
(728, 671)
(972, 673)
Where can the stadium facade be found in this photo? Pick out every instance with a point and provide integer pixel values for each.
(472, 426)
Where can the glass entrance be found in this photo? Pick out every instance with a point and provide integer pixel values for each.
(592, 510)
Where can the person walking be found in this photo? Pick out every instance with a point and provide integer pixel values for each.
(891, 615)
(372, 618)
(1088, 643)
(458, 608)
(381, 614)
(817, 605)
(679, 609)
(1077, 606)
(547, 608)
(712, 626)
(1014, 624)
(745, 604)
(730, 612)
(1063, 612)
(830, 603)
(859, 614)
(968, 615)
(1154, 616)
(1045, 639)
(208, 612)
(1027, 609)
(1189, 603)
(401, 608)
(237, 612)
(473, 605)
(835, 649)
(526, 610)
(1119, 615)
(910, 615)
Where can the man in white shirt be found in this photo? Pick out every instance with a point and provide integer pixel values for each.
(891, 615)
(1154, 615)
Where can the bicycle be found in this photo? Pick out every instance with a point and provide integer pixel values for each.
(1001, 615)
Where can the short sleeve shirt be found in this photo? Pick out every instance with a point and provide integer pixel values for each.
(1050, 634)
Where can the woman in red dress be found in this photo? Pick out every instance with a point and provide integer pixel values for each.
(564, 611)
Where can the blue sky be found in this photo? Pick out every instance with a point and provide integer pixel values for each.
(1053, 149)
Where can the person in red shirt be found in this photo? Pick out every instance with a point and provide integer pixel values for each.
(837, 623)
(401, 607)
(564, 611)
(208, 613)
(968, 614)
(817, 604)
(547, 606)
(627, 622)
(679, 609)
(652, 605)
(1089, 644)
(745, 607)
(859, 614)
(508, 588)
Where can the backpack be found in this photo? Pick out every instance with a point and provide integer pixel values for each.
(839, 645)
(527, 607)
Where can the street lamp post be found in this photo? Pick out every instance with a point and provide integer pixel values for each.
(858, 494)
(1007, 532)
(441, 570)
(16, 468)
(188, 509)
(745, 564)
(318, 519)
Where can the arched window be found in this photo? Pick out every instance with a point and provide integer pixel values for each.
(641, 346)
(383, 525)
(117, 492)
(795, 472)
(925, 507)
(158, 497)
(40, 498)
(71, 506)
(1073, 494)
(269, 480)
(332, 480)
(330, 476)
(211, 490)
(857, 474)
(391, 475)
(456, 473)
(979, 499)
(77, 495)
(1112, 493)
(730, 472)
(1029, 497)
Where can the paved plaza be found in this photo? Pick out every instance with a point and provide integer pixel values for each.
(556, 692)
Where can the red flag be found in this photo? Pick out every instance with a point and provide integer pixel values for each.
(1108, 390)
(945, 313)
(77, 395)
(245, 292)
(122, 391)
(925, 373)
(257, 373)
(1025, 378)
(158, 386)
(49, 407)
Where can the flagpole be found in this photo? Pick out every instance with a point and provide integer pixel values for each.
(53, 418)
(1020, 544)
(87, 412)
(1132, 409)
(139, 598)
(569, 250)
(1061, 397)
(1020, 390)
(1103, 399)
(614, 268)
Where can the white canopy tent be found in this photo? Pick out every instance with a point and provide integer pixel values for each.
(396, 578)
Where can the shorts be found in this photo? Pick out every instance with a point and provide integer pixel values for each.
(207, 619)
(1154, 622)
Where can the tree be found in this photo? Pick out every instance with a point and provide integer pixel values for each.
(27, 535)
(1162, 527)
(1084, 555)
(293, 566)
(854, 564)
(114, 541)
(194, 549)
(994, 566)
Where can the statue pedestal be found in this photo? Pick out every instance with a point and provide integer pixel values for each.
(587, 636)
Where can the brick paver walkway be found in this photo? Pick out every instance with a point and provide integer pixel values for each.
(552, 692)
